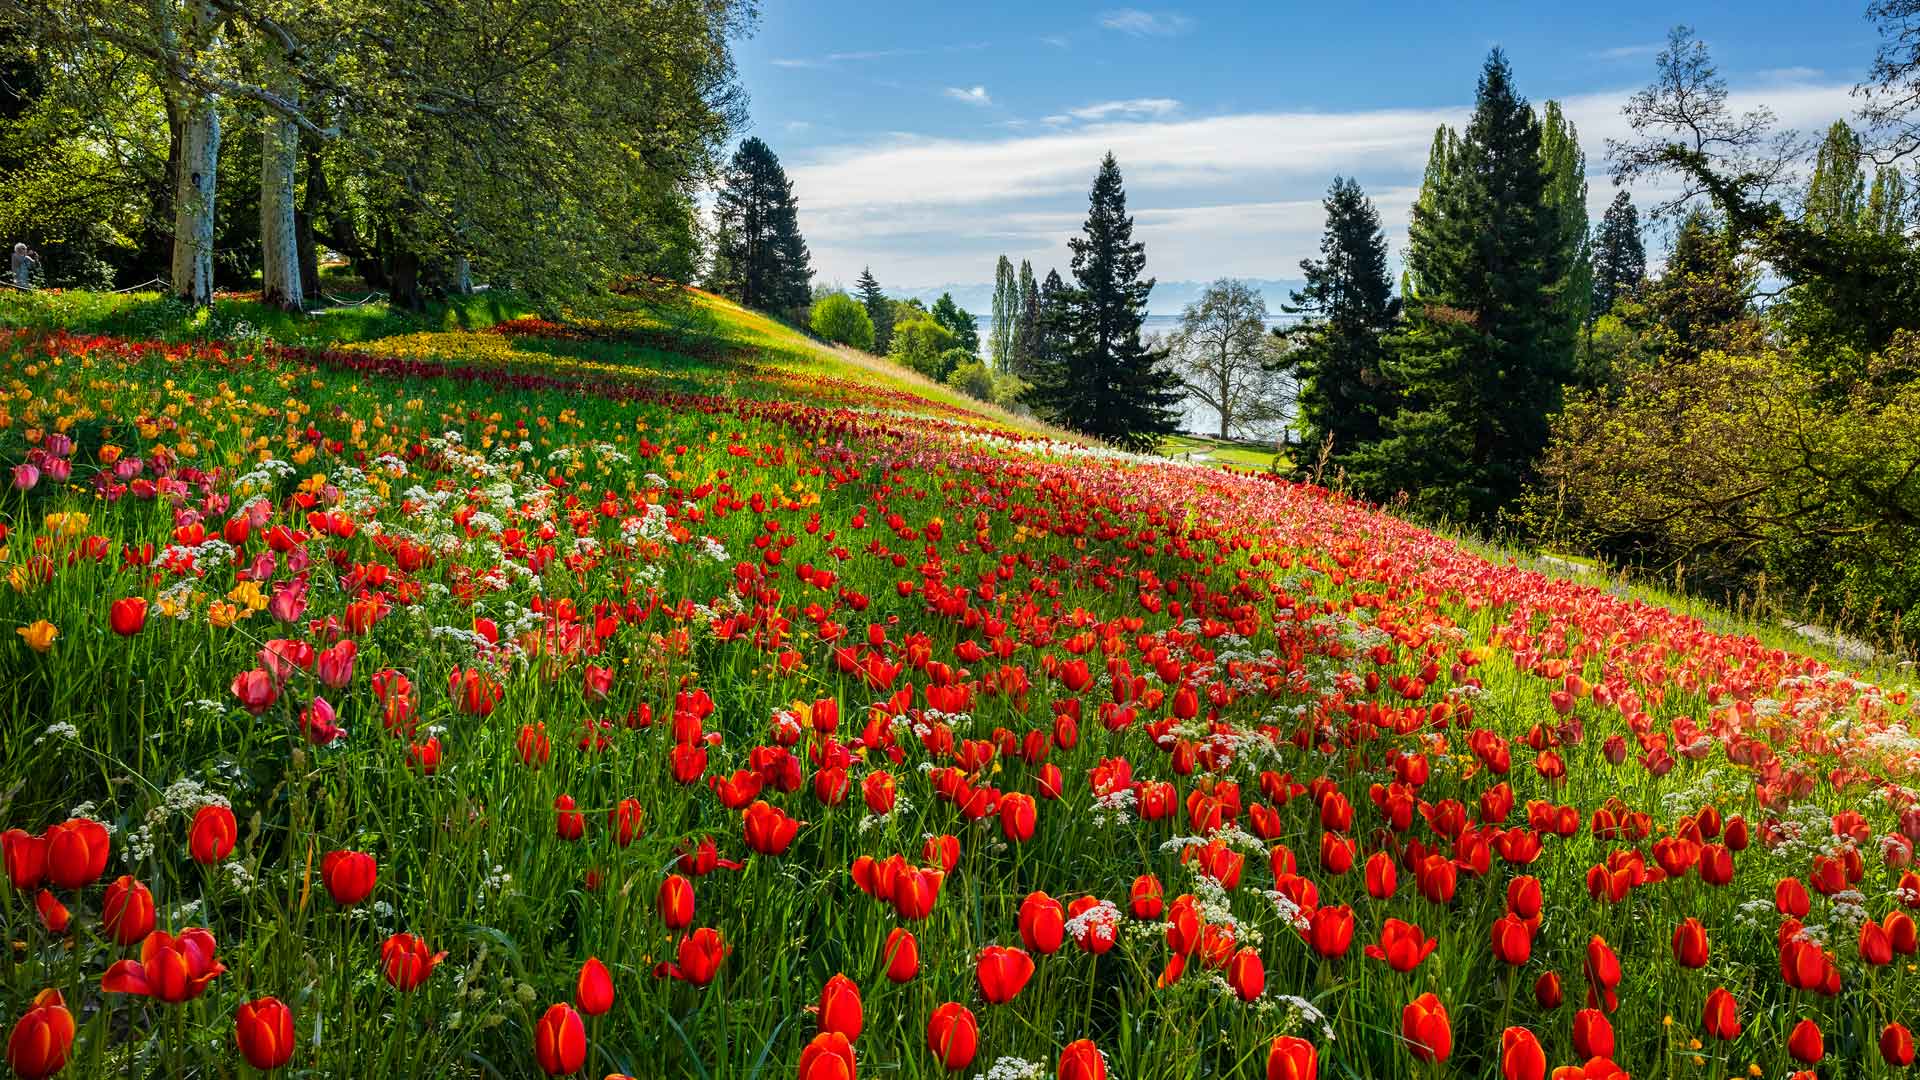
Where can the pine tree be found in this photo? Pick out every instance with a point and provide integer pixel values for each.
(1006, 314)
(1488, 344)
(1619, 257)
(1052, 383)
(1026, 335)
(879, 309)
(1339, 350)
(760, 259)
(1108, 383)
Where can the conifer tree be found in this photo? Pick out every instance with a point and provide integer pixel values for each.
(1488, 345)
(1338, 351)
(1006, 314)
(1026, 343)
(1619, 256)
(760, 259)
(1566, 167)
(879, 309)
(1108, 383)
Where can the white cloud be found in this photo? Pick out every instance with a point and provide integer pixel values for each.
(1234, 194)
(1058, 41)
(1630, 52)
(1145, 23)
(836, 59)
(1131, 109)
(973, 95)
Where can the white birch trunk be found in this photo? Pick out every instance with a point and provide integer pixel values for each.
(462, 276)
(193, 200)
(279, 242)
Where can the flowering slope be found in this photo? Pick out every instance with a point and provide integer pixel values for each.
(549, 701)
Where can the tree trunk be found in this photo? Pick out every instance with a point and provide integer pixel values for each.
(404, 292)
(280, 283)
(193, 202)
(195, 180)
(462, 276)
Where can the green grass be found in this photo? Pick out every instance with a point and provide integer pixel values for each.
(1239, 455)
(153, 316)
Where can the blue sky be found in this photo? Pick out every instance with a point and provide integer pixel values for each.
(927, 138)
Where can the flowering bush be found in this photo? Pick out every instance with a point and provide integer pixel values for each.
(447, 707)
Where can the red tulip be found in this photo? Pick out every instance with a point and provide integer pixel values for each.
(1146, 899)
(840, 1007)
(1603, 975)
(877, 789)
(212, 835)
(1721, 1017)
(953, 1036)
(76, 853)
(1081, 1060)
(1292, 1058)
(593, 988)
(42, 1038)
(1790, 898)
(1402, 945)
(1512, 940)
(902, 953)
(1592, 1034)
(1524, 897)
(828, 1057)
(942, 850)
(1246, 974)
(700, 955)
(1425, 1027)
(26, 858)
(349, 876)
(1521, 1056)
(1330, 930)
(53, 914)
(1017, 817)
(568, 823)
(126, 911)
(263, 1029)
(560, 1041)
(1896, 1045)
(676, 902)
(1382, 877)
(1042, 923)
(625, 819)
(1002, 971)
(769, 830)
(1806, 1044)
(170, 969)
(128, 616)
(1690, 944)
(405, 960)
(1546, 990)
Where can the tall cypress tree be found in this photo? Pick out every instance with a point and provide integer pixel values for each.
(760, 259)
(1619, 256)
(1006, 314)
(1340, 349)
(1488, 345)
(879, 309)
(1108, 383)
(1566, 167)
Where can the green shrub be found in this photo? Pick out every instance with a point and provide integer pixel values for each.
(842, 319)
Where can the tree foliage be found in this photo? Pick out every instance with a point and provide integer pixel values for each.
(760, 258)
(879, 309)
(840, 318)
(958, 321)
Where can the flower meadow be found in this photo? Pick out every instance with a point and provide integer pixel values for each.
(540, 702)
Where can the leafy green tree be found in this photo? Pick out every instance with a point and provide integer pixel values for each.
(840, 318)
(1619, 256)
(1106, 381)
(1566, 167)
(761, 260)
(879, 309)
(1488, 344)
(958, 321)
(1338, 350)
(921, 343)
(1222, 352)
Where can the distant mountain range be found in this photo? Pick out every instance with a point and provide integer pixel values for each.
(1168, 299)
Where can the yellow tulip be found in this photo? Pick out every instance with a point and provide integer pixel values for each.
(39, 635)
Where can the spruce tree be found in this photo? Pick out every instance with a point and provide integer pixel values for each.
(1052, 386)
(1339, 350)
(1619, 257)
(879, 309)
(1026, 343)
(760, 259)
(1108, 383)
(1488, 345)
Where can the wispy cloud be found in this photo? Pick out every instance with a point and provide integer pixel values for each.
(1223, 194)
(1058, 41)
(838, 58)
(1145, 23)
(1130, 109)
(1790, 74)
(971, 95)
(1630, 52)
